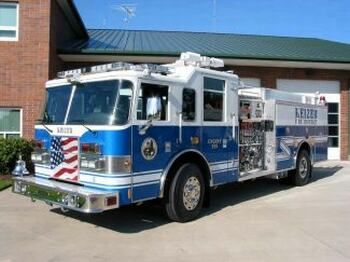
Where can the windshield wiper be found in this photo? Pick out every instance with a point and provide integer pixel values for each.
(41, 122)
(82, 122)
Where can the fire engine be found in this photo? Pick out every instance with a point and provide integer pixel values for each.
(120, 133)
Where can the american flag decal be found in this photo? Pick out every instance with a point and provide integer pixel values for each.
(64, 158)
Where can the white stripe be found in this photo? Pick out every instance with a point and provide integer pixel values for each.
(111, 181)
(321, 139)
(224, 170)
(288, 141)
(103, 174)
(282, 157)
(219, 162)
(120, 187)
(226, 164)
(42, 170)
(218, 167)
(146, 184)
(70, 144)
(114, 181)
(146, 178)
(70, 155)
(147, 172)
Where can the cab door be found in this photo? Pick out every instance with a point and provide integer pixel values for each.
(153, 139)
(217, 133)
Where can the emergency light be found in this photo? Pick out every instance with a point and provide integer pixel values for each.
(118, 66)
(187, 58)
(195, 59)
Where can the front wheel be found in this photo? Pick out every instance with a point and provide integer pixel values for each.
(186, 194)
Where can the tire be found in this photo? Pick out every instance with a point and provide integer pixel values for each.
(302, 172)
(186, 194)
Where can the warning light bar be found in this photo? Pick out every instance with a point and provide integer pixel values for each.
(186, 58)
(117, 66)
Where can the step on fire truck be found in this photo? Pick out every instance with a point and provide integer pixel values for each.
(118, 134)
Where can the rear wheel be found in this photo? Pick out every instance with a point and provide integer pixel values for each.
(302, 173)
(186, 194)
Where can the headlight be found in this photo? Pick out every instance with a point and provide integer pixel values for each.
(94, 162)
(106, 164)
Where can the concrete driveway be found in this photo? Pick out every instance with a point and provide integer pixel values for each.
(253, 221)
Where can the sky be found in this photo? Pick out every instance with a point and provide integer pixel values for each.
(326, 19)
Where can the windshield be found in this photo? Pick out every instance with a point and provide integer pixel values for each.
(57, 99)
(94, 103)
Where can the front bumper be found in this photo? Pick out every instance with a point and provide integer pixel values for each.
(75, 197)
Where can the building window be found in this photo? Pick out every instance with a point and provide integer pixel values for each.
(10, 123)
(8, 21)
(214, 90)
(333, 124)
(188, 104)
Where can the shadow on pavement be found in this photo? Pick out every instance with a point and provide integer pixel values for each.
(135, 219)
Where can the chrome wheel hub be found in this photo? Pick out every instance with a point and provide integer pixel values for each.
(191, 193)
(303, 168)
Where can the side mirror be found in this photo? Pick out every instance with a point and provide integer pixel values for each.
(154, 108)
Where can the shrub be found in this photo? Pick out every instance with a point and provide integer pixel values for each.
(10, 149)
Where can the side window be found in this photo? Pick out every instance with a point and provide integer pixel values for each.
(214, 90)
(188, 104)
(152, 96)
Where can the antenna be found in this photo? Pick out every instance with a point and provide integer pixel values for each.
(214, 15)
(128, 9)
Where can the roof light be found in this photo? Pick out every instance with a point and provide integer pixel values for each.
(195, 59)
(117, 66)
(187, 58)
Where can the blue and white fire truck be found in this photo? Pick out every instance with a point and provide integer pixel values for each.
(120, 133)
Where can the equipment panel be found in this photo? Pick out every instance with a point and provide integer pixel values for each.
(251, 135)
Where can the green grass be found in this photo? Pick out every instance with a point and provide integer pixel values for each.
(5, 184)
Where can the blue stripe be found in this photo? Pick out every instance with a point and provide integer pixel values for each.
(301, 131)
(145, 192)
(225, 177)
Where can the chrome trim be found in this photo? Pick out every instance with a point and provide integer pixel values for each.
(90, 200)
(166, 170)
(303, 168)
(262, 173)
(74, 87)
(191, 193)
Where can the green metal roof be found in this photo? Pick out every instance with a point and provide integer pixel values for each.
(170, 43)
